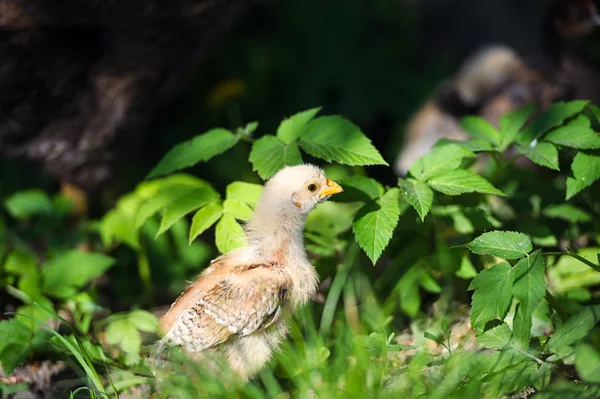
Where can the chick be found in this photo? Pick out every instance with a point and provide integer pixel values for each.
(233, 311)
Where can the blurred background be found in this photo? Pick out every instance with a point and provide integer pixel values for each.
(94, 93)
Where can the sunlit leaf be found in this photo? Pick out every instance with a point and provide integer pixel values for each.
(200, 148)
(374, 224)
(335, 139)
(229, 234)
(290, 128)
(492, 295)
(503, 244)
(418, 194)
(439, 161)
(586, 170)
(269, 154)
(529, 288)
(462, 181)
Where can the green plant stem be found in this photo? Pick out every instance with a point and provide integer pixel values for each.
(144, 272)
(560, 310)
(336, 289)
(578, 257)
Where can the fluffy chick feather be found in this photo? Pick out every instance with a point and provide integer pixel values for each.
(233, 311)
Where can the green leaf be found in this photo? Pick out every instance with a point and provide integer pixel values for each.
(587, 363)
(199, 149)
(542, 153)
(291, 128)
(576, 328)
(554, 116)
(229, 234)
(529, 287)
(374, 224)
(24, 204)
(492, 296)
(335, 139)
(123, 333)
(567, 212)
(574, 136)
(418, 194)
(466, 271)
(474, 145)
(205, 218)
(143, 320)
(269, 154)
(496, 338)
(15, 339)
(67, 272)
(247, 193)
(512, 123)
(462, 181)
(586, 170)
(163, 197)
(503, 244)
(237, 209)
(184, 205)
(359, 188)
(477, 127)
(439, 161)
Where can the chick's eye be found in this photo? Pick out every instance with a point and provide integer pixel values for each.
(312, 187)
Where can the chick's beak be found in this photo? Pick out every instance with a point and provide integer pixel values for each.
(332, 188)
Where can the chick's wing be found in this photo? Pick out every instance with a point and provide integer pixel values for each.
(240, 303)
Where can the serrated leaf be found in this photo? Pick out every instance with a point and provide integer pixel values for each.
(67, 272)
(237, 209)
(359, 188)
(462, 181)
(529, 287)
(586, 170)
(576, 327)
(478, 127)
(269, 154)
(554, 116)
(247, 193)
(512, 123)
(205, 218)
(587, 363)
(568, 213)
(184, 205)
(503, 244)
(418, 195)
(496, 338)
(439, 161)
(374, 224)
(24, 204)
(199, 149)
(335, 139)
(492, 296)
(229, 234)
(290, 129)
(542, 153)
(574, 136)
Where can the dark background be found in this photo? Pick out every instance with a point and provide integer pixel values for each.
(374, 62)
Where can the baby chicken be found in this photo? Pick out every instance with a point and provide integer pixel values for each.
(233, 310)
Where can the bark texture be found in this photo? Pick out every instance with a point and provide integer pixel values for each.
(76, 75)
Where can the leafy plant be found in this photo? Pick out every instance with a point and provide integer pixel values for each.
(486, 267)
